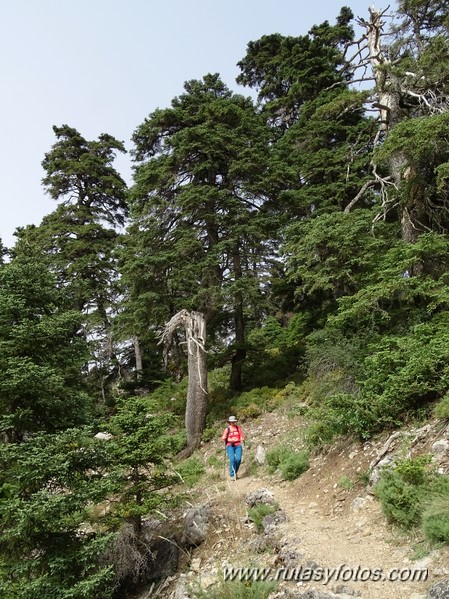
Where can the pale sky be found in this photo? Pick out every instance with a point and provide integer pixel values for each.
(102, 66)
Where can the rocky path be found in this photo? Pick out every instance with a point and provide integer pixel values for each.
(358, 540)
(339, 527)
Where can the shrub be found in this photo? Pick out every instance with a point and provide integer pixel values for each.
(209, 434)
(248, 412)
(435, 520)
(413, 470)
(403, 490)
(294, 465)
(337, 415)
(275, 456)
(253, 403)
(291, 463)
(257, 513)
(170, 396)
(442, 408)
(214, 461)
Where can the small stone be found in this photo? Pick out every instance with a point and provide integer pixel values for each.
(195, 564)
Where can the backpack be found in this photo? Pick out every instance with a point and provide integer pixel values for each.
(239, 431)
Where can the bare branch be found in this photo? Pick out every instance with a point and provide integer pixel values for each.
(359, 195)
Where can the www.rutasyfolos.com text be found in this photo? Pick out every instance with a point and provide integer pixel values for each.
(341, 573)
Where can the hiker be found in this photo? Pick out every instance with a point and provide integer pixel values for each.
(233, 439)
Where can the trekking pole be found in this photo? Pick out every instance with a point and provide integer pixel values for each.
(224, 462)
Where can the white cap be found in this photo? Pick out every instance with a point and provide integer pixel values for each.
(232, 419)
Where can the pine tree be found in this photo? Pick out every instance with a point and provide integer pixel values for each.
(198, 234)
(79, 240)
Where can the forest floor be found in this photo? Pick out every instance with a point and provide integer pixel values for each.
(331, 519)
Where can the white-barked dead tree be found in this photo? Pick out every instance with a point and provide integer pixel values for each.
(194, 326)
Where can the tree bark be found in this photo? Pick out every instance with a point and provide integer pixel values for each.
(138, 356)
(197, 395)
(412, 209)
(239, 324)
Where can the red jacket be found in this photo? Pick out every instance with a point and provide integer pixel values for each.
(233, 435)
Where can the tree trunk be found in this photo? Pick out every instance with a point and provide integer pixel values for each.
(239, 324)
(138, 356)
(195, 416)
(240, 350)
(412, 209)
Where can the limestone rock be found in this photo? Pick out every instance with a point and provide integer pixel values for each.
(271, 522)
(103, 436)
(195, 526)
(260, 455)
(260, 496)
(439, 590)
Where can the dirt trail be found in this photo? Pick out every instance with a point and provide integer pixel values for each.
(334, 522)
(359, 539)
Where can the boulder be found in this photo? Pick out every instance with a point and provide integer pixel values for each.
(195, 526)
(260, 496)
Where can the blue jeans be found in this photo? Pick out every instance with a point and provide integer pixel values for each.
(235, 457)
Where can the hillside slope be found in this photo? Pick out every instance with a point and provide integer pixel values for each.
(331, 521)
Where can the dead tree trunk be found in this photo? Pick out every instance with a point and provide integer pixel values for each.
(389, 93)
(195, 331)
(138, 356)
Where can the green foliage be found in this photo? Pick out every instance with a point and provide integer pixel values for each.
(291, 463)
(257, 513)
(190, 471)
(209, 434)
(41, 353)
(236, 590)
(220, 394)
(196, 207)
(435, 519)
(275, 350)
(346, 483)
(275, 456)
(333, 417)
(63, 495)
(333, 254)
(169, 396)
(78, 241)
(412, 471)
(50, 545)
(405, 373)
(393, 300)
(423, 142)
(391, 378)
(335, 363)
(407, 488)
(356, 311)
(288, 71)
(139, 451)
(441, 409)
(214, 462)
(251, 404)
(402, 503)
(294, 464)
